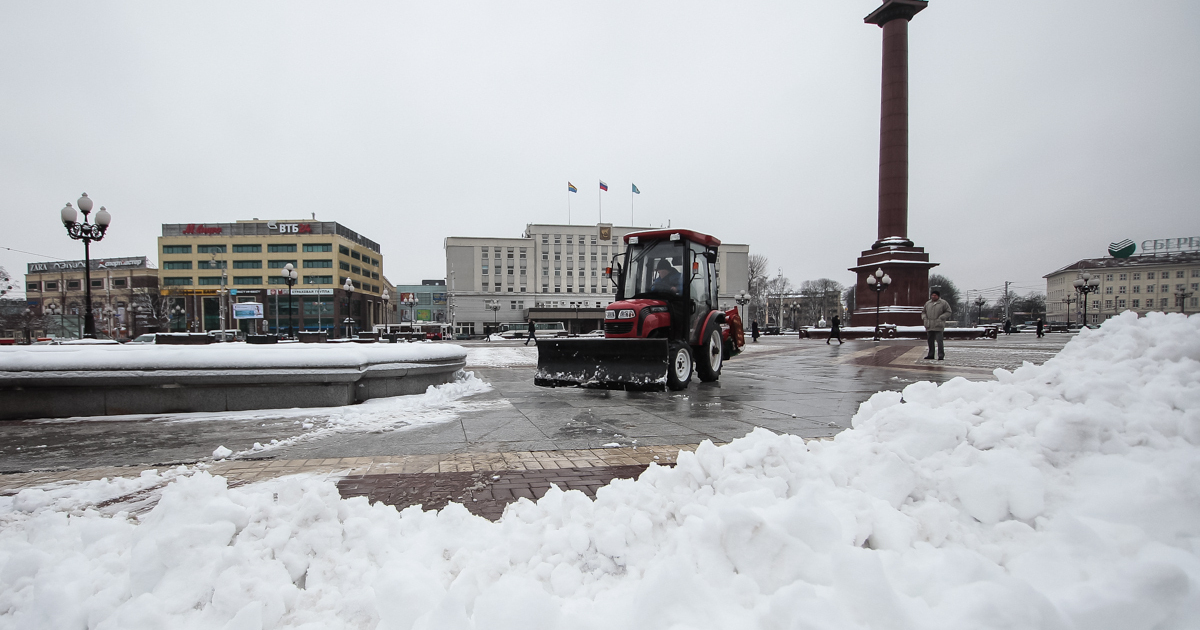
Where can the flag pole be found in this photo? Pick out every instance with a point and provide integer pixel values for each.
(568, 206)
(631, 223)
(600, 201)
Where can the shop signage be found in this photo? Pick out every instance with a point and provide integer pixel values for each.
(247, 310)
(1166, 245)
(194, 228)
(300, 291)
(1123, 249)
(290, 228)
(103, 263)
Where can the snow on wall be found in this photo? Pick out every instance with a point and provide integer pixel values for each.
(225, 355)
(1057, 496)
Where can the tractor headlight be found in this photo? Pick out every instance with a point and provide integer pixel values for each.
(626, 313)
(657, 309)
(610, 314)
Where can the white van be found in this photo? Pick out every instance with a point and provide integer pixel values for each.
(544, 329)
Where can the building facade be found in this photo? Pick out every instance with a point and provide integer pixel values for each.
(551, 273)
(1164, 282)
(429, 302)
(123, 292)
(204, 267)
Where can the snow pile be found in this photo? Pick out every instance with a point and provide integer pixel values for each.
(1058, 496)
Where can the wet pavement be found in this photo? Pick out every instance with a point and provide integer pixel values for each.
(802, 387)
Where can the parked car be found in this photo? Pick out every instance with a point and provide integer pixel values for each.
(146, 338)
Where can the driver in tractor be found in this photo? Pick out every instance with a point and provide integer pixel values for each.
(666, 278)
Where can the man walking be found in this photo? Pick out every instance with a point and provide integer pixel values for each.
(934, 315)
(835, 330)
(1041, 328)
(532, 328)
(754, 330)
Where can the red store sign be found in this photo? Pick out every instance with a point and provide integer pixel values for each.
(193, 228)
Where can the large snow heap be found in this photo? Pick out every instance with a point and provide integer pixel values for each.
(1057, 496)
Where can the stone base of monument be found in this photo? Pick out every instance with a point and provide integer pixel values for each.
(153, 380)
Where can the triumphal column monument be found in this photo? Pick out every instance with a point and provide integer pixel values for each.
(907, 265)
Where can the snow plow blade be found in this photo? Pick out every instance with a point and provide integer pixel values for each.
(633, 364)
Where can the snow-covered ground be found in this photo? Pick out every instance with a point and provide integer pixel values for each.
(1057, 496)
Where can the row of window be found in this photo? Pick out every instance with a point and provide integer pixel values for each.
(1137, 288)
(75, 285)
(272, 248)
(242, 280)
(1149, 303)
(247, 264)
(1179, 273)
(498, 288)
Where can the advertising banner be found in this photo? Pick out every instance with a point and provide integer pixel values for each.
(247, 310)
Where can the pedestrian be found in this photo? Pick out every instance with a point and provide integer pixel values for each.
(835, 330)
(1041, 328)
(1008, 326)
(934, 315)
(531, 330)
(754, 330)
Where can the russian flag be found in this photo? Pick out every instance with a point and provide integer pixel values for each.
(603, 186)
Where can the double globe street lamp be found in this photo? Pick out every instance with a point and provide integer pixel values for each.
(1085, 284)
(289, 278)
(86, 232)
(348, 324)
(494, 307)
(877, 282)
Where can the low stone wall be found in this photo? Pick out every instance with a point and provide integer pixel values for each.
(100, 391)
(899, 332)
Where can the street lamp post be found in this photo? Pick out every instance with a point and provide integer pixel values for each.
(348, 323)
(55, 310)
(411, 303)
(86, 232)
(289, 278)
(1181, 297)
(178, 311)
(494, 307)
(387, 320)
(1085, 284)
(742, 299)
(27, 315)
(1068, 301)
(877, 282)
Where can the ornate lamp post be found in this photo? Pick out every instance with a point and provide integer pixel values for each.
(1085, 284)
(877, 282)
(86, 232)
(742, 299)
(1067, 302)
(56, 311)
(386, 297)
(178, 311)
(411, 304)
(108, 319)
(1181, 297)
(348, 324)
(289, 277)
(27, 316)
(494, 307)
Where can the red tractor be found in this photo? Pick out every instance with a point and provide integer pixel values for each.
(664, 325)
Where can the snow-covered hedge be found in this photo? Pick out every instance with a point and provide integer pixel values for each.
(1057, 496)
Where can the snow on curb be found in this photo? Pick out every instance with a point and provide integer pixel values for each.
(1057, 496)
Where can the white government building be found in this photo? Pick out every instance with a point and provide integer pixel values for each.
(553, 273)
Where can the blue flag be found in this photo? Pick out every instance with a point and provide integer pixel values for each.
(635, 190)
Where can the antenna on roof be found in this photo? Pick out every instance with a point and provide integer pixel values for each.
(314, 215)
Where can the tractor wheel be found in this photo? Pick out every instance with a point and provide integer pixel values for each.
(708, 361)
(679, 366)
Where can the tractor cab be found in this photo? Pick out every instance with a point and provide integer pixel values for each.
(664, 324)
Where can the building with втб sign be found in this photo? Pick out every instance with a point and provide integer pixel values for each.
(202, 265)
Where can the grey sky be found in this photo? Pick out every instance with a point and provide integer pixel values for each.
(1041, 131)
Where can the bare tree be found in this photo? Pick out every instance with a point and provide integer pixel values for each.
(155, 308)
(820, 298)
(948, 291)
(850, 297)
(758, 284)
(774, 291)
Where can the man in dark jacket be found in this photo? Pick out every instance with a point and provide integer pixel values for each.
(934, 315)
(1041, 328)
(532, 328)
(835, 330)
(754, 330)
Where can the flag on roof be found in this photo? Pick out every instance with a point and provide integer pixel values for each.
(635, 190)
(571, 187)
(603, 186)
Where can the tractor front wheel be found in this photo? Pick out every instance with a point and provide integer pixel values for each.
(679, 366)
(708, 362)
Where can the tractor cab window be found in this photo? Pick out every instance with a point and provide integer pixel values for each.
(655, 269)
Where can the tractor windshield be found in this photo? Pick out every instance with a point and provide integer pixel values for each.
(655, 270)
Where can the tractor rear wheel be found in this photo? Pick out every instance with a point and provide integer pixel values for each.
(708, 361)
(679, 366)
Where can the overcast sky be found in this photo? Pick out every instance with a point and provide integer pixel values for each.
(1040, 131)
